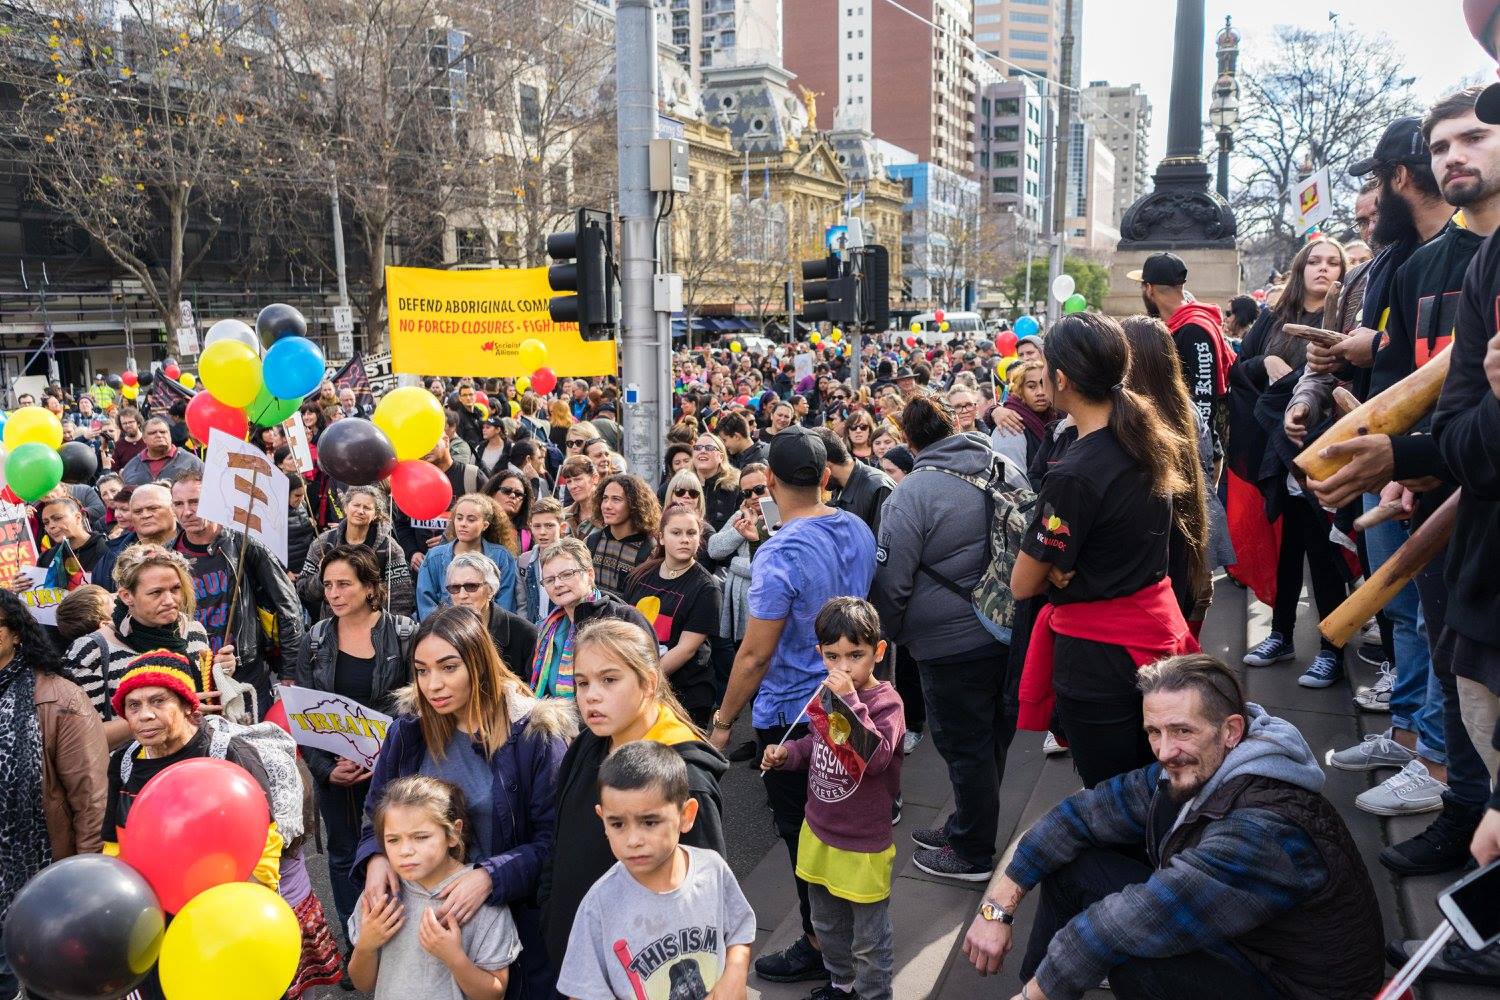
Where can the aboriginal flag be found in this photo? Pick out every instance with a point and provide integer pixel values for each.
(65, 572)
(352, 375)
(837, 726)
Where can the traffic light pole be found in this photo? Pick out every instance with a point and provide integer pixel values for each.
(643, 373)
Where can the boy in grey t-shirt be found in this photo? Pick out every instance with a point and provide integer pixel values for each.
(667, 921)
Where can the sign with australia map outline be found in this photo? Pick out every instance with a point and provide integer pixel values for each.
(327, 721)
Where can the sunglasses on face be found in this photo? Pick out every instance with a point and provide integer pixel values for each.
(511, 491)
(454, 589)
(758, 491)
(576, 442)
(686, 492)
(705, 447)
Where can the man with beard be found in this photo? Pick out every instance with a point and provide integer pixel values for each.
(1251, 881)
(1197, 331)
(1440, 767)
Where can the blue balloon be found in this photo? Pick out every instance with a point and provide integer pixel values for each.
(293, 367)
(1025, 327)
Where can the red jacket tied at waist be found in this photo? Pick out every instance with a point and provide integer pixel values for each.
(1148, 624)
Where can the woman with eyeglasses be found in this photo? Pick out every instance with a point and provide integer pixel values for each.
(685, 598)
(512, 491)
(679, 456)
(472, 581)
(859, 437)
(721, 482)
(475, 524)
(568, 577)
(358, 653)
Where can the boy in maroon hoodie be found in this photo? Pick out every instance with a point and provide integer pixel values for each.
(853, 760)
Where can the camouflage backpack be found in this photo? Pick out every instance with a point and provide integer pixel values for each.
(1008, 500)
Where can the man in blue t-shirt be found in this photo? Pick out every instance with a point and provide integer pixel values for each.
(816, 554)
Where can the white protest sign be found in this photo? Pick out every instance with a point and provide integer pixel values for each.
(243, 491)
(327, 721)
(42, 601)
(296, 439)
(802, 366)
(1312, 200)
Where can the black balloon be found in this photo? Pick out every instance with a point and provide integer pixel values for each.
(85, 928)
(80, 463)
(277, 321)
(114, 382)
(356, 452)
(145, 378)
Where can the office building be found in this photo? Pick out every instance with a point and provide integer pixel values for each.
(1121, 117)
(939, 233)
(711, 34)
(1090, 222)
(874, 66)
(1028, 34)
(1010, 159)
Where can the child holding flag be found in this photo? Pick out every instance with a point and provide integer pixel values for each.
(853, 760)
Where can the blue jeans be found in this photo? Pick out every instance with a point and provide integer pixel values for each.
(1416, 698)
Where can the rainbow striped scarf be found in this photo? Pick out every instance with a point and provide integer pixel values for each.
(552, 669)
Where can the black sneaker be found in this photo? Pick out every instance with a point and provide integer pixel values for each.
(1442, 847)
(795, 964)
(945, 864)
(830, 992)
(934, 838)
(1456, 963)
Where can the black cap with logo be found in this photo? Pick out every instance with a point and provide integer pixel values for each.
(797, 456)
(1401, 143)
(1161, 269)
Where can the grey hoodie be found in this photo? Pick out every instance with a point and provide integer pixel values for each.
(935, 520)
(1272, 748)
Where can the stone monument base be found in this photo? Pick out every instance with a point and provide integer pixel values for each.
(1213, 276)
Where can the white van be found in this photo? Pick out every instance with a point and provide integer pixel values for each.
(960, 324)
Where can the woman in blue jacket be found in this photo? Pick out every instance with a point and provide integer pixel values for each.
(469, 720)
(475, 524)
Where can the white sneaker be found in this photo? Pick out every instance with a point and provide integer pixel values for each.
(909, 742)
(1376, 750)
(1409, 791)
(1377, 697)
(1051, 747)
(1370, 632)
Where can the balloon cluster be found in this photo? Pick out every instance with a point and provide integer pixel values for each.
(92, 926)
(33, 455)
(251, 376)
(1064, 290)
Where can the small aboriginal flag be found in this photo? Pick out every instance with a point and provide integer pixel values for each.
(838, 727)
(65, 572)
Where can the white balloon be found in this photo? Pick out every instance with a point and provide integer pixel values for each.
(1063, 286)
(233, 329)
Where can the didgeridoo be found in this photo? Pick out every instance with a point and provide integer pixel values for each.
(1395, 573)
(1394, 411)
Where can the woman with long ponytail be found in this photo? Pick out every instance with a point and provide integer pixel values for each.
(1098, 548)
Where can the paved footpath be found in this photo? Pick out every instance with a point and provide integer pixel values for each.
(930, 915)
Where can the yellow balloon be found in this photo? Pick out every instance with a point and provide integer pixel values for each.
(523, 383)
(33, 423)
(130, 391)
(484, 411)
(231, 372)
(916, 328)
(412, 418)
(815, 338)
(837, 335)
(533, 354)
(515, 408)
(943, 326)
(1004, 366)
(735, 347)
(188, 381)
(239, 926)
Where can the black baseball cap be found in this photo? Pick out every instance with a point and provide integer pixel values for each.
(1487, 105)
(1161, 269)
(1402, 142)
(798, 456)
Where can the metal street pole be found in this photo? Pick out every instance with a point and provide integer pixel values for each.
(338, 240)
(641, 369)
(1064, 139)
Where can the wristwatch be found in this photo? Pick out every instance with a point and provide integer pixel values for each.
(718, 724)
(991, 910)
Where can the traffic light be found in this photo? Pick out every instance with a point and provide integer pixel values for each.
(586, 267)
(875, 287)
(827, 295)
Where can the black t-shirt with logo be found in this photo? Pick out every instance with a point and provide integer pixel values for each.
(1096, 516)
(213, 580)
(690, 603)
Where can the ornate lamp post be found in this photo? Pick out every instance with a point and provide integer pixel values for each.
(1224, 108)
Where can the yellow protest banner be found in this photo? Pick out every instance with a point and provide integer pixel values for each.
(472, 323)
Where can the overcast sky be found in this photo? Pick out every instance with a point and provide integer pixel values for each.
(1437, 46)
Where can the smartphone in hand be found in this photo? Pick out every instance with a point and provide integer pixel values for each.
(770, 513)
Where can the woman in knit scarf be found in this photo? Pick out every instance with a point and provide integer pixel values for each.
(567, 572)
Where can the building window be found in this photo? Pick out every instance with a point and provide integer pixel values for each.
(1003, 185)
(1031, 54)
(1021, 17)
(1030, 36)
(987, 36)
(1007, 133)
(1008, 106)
(1004, 161)
(531, 109)
(986, 18)
(473, 246)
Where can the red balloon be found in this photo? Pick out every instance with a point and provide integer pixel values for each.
(543, 381)
(938, 315)
(9, 496)
(1005, 342)
(198, 824)
(172, 372)
(204, 413)
(420, 489)
(128, 378)
(911, 341)
(482, 398)
(743, 400)
(277, 716)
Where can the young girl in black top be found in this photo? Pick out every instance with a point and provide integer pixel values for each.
(1098, 548)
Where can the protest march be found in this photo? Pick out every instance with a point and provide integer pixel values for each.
(400, 674)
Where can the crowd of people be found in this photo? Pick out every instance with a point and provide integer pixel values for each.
(860, 548)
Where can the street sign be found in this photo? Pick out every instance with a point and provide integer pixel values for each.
(346, 344)
(187, 339)
(185, 313)
(343, 319)
(836, 238)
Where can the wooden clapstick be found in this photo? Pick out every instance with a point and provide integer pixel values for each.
(1394, 411)
(1344, 401)
(1333, 309)
(1312, 334)
(1395, 573)
(1378, 515)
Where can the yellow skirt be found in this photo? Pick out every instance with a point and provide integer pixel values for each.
(851, 875)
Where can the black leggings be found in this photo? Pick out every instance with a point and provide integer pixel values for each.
(1304, 538)
(1099, 709)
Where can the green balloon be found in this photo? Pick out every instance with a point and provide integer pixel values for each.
(33, 470)
(267, 410)
(1075, 303)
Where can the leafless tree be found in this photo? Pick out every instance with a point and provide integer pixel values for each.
(701, 251)
(1318, 96)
